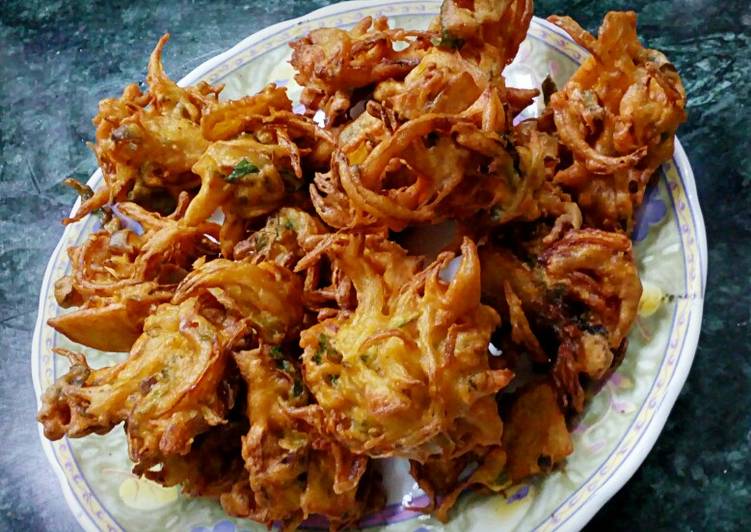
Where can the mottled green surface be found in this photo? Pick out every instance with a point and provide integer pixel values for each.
(58, 59)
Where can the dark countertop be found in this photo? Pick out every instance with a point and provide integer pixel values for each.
(58, 59)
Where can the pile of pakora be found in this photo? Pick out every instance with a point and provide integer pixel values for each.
(284, 332)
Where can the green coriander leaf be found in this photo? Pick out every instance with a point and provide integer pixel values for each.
(241, 169)
(323, 345)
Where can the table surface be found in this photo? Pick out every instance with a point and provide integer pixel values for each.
(58, 59)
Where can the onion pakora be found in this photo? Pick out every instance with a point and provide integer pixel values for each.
(120, 273)
(433, 168)
(618, 115)
(147, 143)
(406, 374)
(168, 389)
(582, 291)
(293, 470)
(332, 63)
(276, 355)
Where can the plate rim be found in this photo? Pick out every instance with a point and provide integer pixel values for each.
(636, 455)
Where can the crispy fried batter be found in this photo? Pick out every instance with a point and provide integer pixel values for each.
(618, 115)
(268, 117)
(446, 82)
(265, 295)
(492, 29)
(211, 467)
(167, 389)
(536, 437)
(444, 480)
(293, 470)
(332, 63)
(406, 374)
(148, 142)
(256, 161)
(119, 275)
(243, 177)
(597, 269)
(432, 168)
(583, 290)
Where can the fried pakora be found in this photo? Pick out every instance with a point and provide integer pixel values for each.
(618, 115)
(255, 161)
(147, 142)
(120, 273)
(406, 373)
(580, 293)
(332, 63)
(433, 168)
(168, 390)
(293, 470)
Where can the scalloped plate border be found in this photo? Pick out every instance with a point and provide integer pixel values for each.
(633, 447)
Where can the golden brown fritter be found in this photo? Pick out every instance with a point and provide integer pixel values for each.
(332, 63)
(536, 437)
(168, 389)
(406, 373)
(293, 470)
(147, 143)
(122, 272)
(581, 293)
(618, 115)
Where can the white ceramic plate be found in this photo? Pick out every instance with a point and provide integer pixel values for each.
(619, 428)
